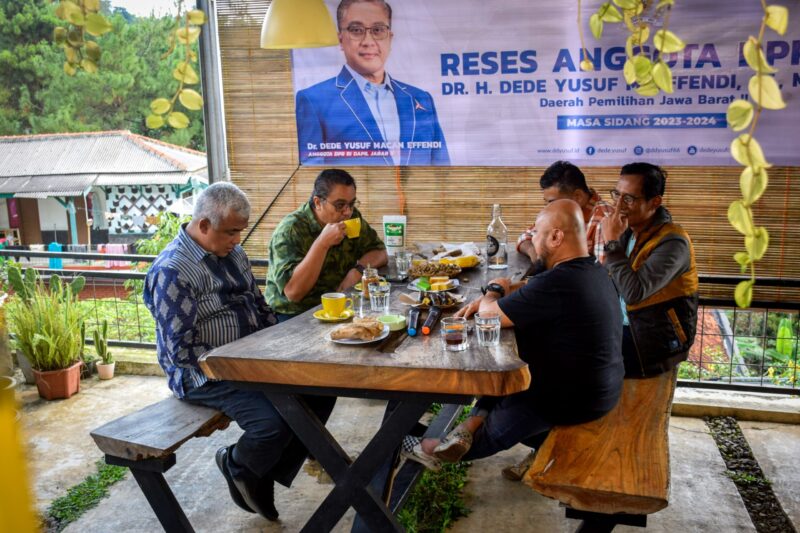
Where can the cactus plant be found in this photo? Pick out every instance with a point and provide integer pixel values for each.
(101, 343)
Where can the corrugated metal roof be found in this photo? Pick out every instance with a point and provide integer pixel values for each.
(61, 164)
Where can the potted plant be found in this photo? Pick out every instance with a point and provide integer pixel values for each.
(89, 361)
(46, 322)
(105, 367)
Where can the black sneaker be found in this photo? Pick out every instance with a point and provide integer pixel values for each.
(222, 463)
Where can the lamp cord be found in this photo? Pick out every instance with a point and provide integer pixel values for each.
(253, 228)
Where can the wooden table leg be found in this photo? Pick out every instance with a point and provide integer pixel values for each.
(352, 479)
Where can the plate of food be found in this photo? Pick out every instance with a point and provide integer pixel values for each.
(424, 300)
(462, 261)
(420, 269)
(360, 331)
(433, 284)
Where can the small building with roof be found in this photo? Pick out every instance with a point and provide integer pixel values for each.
(93, 187)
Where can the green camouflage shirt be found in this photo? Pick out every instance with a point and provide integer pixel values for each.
(289, 244)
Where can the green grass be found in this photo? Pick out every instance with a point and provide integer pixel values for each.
(127, 320)
(83, 496)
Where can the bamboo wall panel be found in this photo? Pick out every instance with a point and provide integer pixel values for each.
(454, 204)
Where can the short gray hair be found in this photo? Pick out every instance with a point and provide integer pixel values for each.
(218, 201)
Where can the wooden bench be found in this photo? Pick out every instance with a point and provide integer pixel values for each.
(145, 442)
(614, 470)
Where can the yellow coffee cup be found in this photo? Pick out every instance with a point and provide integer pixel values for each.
(352, 227)
(334, 304)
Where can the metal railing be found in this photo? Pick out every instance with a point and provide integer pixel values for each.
(734, 349)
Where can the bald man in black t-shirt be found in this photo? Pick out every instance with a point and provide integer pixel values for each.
(568, 328)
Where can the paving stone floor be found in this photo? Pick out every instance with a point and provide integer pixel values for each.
(62, 454)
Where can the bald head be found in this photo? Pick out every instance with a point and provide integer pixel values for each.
(560, 233)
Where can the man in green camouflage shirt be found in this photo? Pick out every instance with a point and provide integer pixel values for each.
(309, 253)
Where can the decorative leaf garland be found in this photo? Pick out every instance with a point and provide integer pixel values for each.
(82, 17)
(163, 111)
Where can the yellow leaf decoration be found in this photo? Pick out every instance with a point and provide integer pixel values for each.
(191, 99)
(754, 55)
(587, 66)
(740, 217)
(185, 73)
(643, 68)
(667, 42)
(764, 91)
(154, 122)
(97, 25)
(777, 18)
(753, 182)
(648, 89)
(609, 13)
(640, 35)
(757, 243)
(743, 258)
(747, 152)
(178, 120)
(629, 72)
(739, 115)
(59, 35)
(159, 106)
(744, 293)
(627, 4)
(89, 66)
(662, 76)
(196, 16)
(187, 36)
(596, 25)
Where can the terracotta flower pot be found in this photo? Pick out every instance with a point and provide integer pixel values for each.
(105, 370)
(58, 384)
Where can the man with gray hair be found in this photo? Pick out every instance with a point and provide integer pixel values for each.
(202, 294)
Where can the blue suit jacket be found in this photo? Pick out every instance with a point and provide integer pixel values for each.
(335, 111)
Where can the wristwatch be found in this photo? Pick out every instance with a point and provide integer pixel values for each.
(494, 287)
(360, 268)
(612, 246)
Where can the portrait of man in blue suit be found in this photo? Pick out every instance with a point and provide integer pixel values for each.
(363, 116)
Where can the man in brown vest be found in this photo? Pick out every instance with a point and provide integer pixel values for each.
(651, 260)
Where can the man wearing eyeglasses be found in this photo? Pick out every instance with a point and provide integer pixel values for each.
(382, 120)
(309, 253)
(651, 260)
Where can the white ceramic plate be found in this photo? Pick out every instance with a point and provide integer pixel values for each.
(383, 335)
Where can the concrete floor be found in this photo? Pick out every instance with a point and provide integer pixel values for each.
(62, 454)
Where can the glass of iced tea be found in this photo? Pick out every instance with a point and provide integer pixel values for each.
(454, 334)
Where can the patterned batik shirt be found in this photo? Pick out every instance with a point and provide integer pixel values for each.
(200, 301)
(595, 241)
(289, 245)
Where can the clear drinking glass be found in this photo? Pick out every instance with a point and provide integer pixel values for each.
(487, 325)
(403, 261)
(454, 334)
(360, 303)
(379, 297)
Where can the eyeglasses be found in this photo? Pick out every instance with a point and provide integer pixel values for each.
(341, 205)
(628, 199)
(357, 32)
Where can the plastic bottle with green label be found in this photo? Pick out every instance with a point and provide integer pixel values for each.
(394, 233)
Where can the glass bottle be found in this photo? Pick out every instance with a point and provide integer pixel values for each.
(370, 275)
(496, 241)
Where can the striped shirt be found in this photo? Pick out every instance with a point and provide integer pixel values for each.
(200, 301)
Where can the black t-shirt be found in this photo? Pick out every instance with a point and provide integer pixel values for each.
(568, 325)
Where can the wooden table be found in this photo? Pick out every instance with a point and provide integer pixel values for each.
(293, 359)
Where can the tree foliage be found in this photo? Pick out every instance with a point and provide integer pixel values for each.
(37, 96)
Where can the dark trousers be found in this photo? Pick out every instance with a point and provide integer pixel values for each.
(508, 421)
(268, 446)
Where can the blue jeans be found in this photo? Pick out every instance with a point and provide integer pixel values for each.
(509, 420)
(268, 446)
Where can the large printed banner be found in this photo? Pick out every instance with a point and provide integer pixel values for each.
(471, 82)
